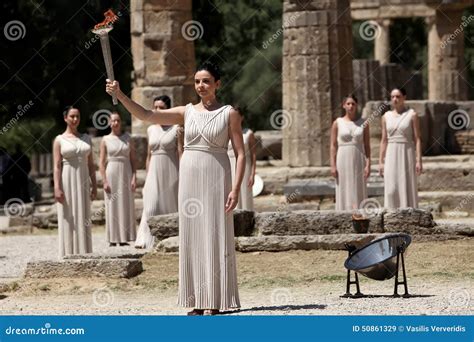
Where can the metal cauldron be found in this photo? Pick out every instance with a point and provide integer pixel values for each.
(378, 259)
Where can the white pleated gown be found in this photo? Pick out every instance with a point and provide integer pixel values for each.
(400, 178)
(74, 223)
(351, 188)
(160, 192)
(119, 203)
(207, 263)
(245, 195)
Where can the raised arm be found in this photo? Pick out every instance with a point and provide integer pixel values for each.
(235, 133)
(57, 159)
(172, 116)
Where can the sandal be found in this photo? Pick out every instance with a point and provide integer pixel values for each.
(211, 312)
(196, 312)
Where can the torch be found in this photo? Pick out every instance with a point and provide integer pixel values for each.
(102, 30)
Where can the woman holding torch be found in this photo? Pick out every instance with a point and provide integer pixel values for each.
(207, 265)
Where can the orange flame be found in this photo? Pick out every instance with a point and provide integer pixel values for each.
(110, 18)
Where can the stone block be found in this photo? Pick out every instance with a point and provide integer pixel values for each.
(84, 268)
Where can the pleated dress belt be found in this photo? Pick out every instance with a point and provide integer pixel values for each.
(349, 143)
(162, 151)
(399, 140)
(117, 159)
(203, 148)
(73, 161)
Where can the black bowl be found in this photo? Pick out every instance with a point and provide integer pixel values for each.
(378, 259)
(361, 226)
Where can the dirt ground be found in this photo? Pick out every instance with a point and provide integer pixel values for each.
(440, 280)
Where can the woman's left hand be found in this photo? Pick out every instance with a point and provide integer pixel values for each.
(367, 172)
(419, 168)
(250, 181)
(133, 183)
(232, 200)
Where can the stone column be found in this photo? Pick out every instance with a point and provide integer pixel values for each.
(382, 41)
(317, 73)
(163, 57)
(446, 66)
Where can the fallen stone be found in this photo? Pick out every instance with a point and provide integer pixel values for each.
(408, 220)
(165, 226)
(310, 222)
(169, 245)
(274, 243)
(114, 255)
(454, 229)
(84, 268)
